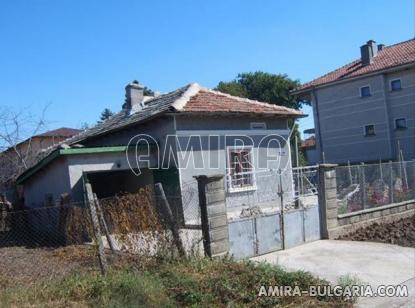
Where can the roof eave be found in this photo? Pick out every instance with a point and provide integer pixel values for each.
(65, 152)
(235, 113)
(369, 74)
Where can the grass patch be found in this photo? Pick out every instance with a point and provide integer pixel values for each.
(119, 288)
(195, 283)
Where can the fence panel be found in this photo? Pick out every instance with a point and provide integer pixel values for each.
(368, 186)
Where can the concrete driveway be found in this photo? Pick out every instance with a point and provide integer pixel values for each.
(373, 263)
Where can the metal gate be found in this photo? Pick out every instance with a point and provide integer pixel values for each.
(291, 218)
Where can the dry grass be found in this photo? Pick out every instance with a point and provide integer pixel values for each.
(185, 283)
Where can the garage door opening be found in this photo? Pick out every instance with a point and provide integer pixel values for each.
(111, 183)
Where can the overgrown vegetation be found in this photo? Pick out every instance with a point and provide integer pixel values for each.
(195, 283)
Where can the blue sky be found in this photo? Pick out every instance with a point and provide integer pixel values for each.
(77, 56)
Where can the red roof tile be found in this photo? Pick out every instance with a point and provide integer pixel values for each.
(390, 56)
(217, 102)
(309, 142)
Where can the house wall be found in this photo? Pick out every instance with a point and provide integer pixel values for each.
(158, 128)
(9, 161)
(68, 173)
(80, 164)
(54, 180)
(402, 105)
(312, 156)
(210, 158)
(340, 116)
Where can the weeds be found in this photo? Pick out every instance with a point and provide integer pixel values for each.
(191, 283)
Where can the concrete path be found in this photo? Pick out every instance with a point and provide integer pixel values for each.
(373, 263)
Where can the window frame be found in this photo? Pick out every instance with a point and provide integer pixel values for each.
(364, 130)
(252, 124)
(390, 84)
(370, 91)
(400, 128)
(230, 186)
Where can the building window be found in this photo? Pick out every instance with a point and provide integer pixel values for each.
(365, 91)
(240, 175)
(258, 125)
(370, 130)
(400, 123)
(396, 85)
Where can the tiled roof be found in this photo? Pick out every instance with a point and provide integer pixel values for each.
(191, 98)
(390, 56)
(309, 142)
(61, 132)
(217, 102)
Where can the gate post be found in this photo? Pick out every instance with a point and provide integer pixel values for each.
(327, 198)
(213, 214)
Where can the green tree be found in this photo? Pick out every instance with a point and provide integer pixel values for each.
(105, 115)
(270, 88)
(265, 87)
(302, 161)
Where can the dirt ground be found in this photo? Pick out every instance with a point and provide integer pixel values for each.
(27, 266)
(400, 232)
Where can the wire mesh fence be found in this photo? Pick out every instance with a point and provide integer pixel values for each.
(363, 186)
(133, 223)
(47, 226)
(305, 181)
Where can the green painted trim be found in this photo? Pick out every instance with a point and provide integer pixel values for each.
(72, 151)
(77, 151)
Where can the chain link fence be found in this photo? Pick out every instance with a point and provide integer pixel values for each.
(47, 226)
(367, 186)
(133, 223)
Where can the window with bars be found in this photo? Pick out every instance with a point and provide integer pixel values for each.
(240, 168)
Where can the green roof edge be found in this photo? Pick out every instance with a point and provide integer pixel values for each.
(63, 152)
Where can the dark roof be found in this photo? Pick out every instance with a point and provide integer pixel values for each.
(125, 118)
(389, 57)
(65, 132)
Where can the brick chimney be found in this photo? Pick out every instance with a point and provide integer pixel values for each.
(134, 95)
(368, 51)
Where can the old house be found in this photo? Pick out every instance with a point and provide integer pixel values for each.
(364, 111)
(14, 160)
(171, 139)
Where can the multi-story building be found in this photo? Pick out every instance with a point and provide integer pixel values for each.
(365, 110)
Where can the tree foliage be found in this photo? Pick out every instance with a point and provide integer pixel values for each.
(270, 88)
(265, 87)
(105, 115)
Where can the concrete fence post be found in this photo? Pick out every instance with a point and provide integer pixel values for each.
(213, 214)
(327, 193)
